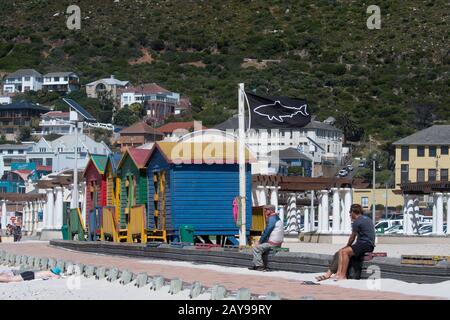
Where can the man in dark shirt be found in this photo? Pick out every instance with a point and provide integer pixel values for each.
(363, 231)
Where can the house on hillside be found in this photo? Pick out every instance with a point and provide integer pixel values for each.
(60, 153)
(137, 135)
(107, 86)
(17, 115)
(63, 82)
(55, 122)
(159, 102)
(23, 80)
(175, 130)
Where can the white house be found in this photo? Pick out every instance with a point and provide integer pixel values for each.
(55, 122)
(5, 100)
(13, 153)
(61, 82)
(60, 153)
(23, 80)
(316, 138)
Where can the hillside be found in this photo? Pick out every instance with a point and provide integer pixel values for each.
(389, 81)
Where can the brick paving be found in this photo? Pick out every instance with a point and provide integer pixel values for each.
(286, 288)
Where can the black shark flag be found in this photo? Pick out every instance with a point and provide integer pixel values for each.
(277, 112)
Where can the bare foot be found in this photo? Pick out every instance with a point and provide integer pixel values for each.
(339, 278)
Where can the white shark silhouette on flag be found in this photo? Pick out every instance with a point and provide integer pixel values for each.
(277, 112)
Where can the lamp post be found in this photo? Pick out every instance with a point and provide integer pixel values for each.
(373, 191)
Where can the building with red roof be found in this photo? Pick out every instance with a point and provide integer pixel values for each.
(138, 134)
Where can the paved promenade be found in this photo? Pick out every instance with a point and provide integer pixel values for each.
(287, 285)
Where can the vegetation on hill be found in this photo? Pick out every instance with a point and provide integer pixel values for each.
(389, 82)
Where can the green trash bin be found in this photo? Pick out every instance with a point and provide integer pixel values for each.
(65, 232)
(187, 233)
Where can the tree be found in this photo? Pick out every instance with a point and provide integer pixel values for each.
(24, 134)
(351, 128)
(424, 115)
(125, 117)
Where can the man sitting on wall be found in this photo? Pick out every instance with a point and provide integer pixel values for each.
(363, 231)
(272, 236)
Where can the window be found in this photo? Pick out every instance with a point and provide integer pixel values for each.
(444, 175)
(404, 173)
(365, 202)
(10, 152)
(56, 79)
(444, 150)
(421, 151)
(27, 78)
(49, 162)
(405, 153)
(420, 175)
(431, 174)
(432, 151)
(60, 149)
(42, 149)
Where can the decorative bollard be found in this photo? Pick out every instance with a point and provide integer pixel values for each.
(218, 292)
(37, 263)
(51, 263)
(157, 283)
(61, 264)
(196, 290)
(70, 268)
(23, 261)
(141, 280)
(43, 264)
(176, 285)
(3, 257)
(12, 260)
(272, 296)
(30, 262)
(100, 273)
(79, 269)
(17, 260)
(113, 275)
(89, 271)
(126, 277)
(243, 294)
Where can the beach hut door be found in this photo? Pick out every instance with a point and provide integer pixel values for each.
(159, 199)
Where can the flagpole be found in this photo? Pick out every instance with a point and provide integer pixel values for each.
(241, 157)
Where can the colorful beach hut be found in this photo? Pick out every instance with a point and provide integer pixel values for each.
(133, 182)
(194, 184)
(95, 182)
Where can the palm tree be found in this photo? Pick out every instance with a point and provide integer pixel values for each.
(350, 127)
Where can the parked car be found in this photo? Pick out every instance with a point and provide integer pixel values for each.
(350, 167)
(426, 229)
(362, 164)
(397, 229)
(383, 225)
(343, 173)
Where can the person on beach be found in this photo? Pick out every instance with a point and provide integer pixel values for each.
(272, 236)
(11, 276)
(363, 231)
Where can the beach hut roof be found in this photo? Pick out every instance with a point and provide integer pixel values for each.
(199, 153)
(99, 162)
(139, 157)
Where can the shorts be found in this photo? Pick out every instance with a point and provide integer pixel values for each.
(360, 248)
(27, 275)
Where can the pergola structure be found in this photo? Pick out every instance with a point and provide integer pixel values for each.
(290, 194)
(30, 205)
(440, 191)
